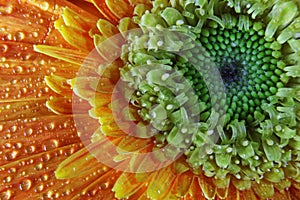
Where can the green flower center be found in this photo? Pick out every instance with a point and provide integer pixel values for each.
(236, 120)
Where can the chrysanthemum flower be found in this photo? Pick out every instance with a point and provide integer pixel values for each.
(147, 99)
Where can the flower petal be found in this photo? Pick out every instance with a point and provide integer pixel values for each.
(80, 163)
(126, 185)
(263, 189)
(160, 183)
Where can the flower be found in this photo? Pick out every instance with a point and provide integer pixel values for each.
(159, 100)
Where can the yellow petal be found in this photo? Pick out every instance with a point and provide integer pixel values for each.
(59, 85)
(77, 38)
(263, 189)
(80, 163)
(208, 187)
(126, 185)
(122, 10)
(65, 105)
(182, 184)
(106, 28)
(160, 183)
(132, 144)
(73, 56)
(105, 11)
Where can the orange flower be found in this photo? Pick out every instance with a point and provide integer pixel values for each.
(78, 106)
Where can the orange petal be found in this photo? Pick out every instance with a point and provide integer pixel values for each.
(73, 56)
(282, 195)
(195, 190)
(22, 138)
(294, 193)
(30, 29)
(248, 194)
(20, 109)
(101, 188)
(34, 177)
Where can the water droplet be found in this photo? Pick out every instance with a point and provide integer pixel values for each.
(7, 194)
(18, 145)
(25, 185)
(7, 179)
(23, 90)
(18, 69)
(13, 128)
(28, 132)
(49, 126)
(36, 34)
(44, 5)
(39, 188)
(30, 149)
(12, 170)
(19, 36)
(7, 145)
(45, 177)
(50, 194)
(3, 48)
(45, 157)
(39, 166)
(50, 144)
(11, 155)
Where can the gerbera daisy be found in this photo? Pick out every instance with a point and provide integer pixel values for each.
(150, 99)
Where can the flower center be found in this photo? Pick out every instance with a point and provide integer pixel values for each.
(231, 72)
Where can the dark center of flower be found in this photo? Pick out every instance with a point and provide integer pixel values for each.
(231, 72)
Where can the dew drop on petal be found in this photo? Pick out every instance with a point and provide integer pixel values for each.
(30, 149)
(13, 129)
(38, 167)
(7, 179)
(19, 36)
(36, 34)
(6, 194)
(45, 177)
(39, 188)
(3, 48)
(25, 185)
(12, 170)
(28, 132)
(18, 145)
(11, 155)
(44, 5)
(18, 69)
(50, 144)
(45, 157)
